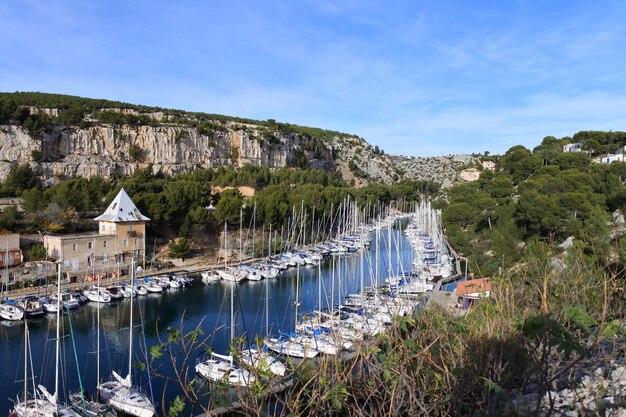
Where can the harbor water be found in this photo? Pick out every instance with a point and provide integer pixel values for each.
(207, 305)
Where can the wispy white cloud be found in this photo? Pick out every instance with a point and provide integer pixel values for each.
(468, 130)
(412, 77)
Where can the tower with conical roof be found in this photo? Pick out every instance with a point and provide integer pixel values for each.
(123, 220)
(121, 236)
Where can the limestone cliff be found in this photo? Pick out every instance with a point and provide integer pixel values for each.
(106, 150)
(117, 141)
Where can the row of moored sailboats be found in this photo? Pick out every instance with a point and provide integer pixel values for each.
(361, 315)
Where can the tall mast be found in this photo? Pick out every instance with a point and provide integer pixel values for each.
(297, 295)
(232, 310)
(362, 245)
(254, 229)
(25, 363)
(232, 286)
(130, 342)
(56, 371)
(332, 289)
(319, 284)
(6, 267)
(377, 274)
(312, 224)
(267, 285)
(97, 327)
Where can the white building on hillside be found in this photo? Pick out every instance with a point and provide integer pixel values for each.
(573, 147)
(608, 159)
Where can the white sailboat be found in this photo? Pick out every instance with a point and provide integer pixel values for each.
(120, 392)
(91, 406)
(259, 357)
(8, 310)
(229, 273)
(295, 345)
(221, 367)
(209, 277)
(97, 295)
(11, 312)
(42, 403)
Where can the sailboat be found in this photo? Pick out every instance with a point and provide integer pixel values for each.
(295, 345)
(221, 367)
(44, 404)
(9, 310)
(229, 273)
(120, 392)
(259, 357)
(90, 406)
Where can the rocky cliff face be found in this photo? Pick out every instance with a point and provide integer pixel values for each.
(441, 169)
(105, 150)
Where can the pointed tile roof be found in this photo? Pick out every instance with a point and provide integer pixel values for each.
(122, 209)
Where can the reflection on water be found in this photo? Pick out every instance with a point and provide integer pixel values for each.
(200, 303)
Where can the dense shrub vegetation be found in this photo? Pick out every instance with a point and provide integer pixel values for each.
(541, 195)
(73, 110)
(180, 202)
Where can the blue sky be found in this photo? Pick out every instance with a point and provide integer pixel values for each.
(413, 77)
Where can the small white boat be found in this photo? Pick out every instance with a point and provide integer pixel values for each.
(42, 407)
(152, 286)
(252, 273)
(162, 280)
(114, 292)
(223, 369)
(11, 312)
(140, 289)
(50, 305)
(97, 295)
(208, 277)
(232, 274)
(291, 346)
(175, 284)
(69, 301)
(127, 291)
(262, 360)
(31, 306)
(126, 399)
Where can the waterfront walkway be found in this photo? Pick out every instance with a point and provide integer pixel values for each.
(192, 266)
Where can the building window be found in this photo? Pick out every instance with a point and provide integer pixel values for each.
(105, 257)
(125, 242)
(89, 245)
(74, 246)
(104, 243)
(136, 242)
(102, 228)
(130, 227)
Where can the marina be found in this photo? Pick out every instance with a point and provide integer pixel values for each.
(298, 298)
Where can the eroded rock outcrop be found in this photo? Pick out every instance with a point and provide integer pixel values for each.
(105, 149)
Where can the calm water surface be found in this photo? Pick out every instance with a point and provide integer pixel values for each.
(199, 303)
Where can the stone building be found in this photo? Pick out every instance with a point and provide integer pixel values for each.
(10, 251)
(121, 237)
